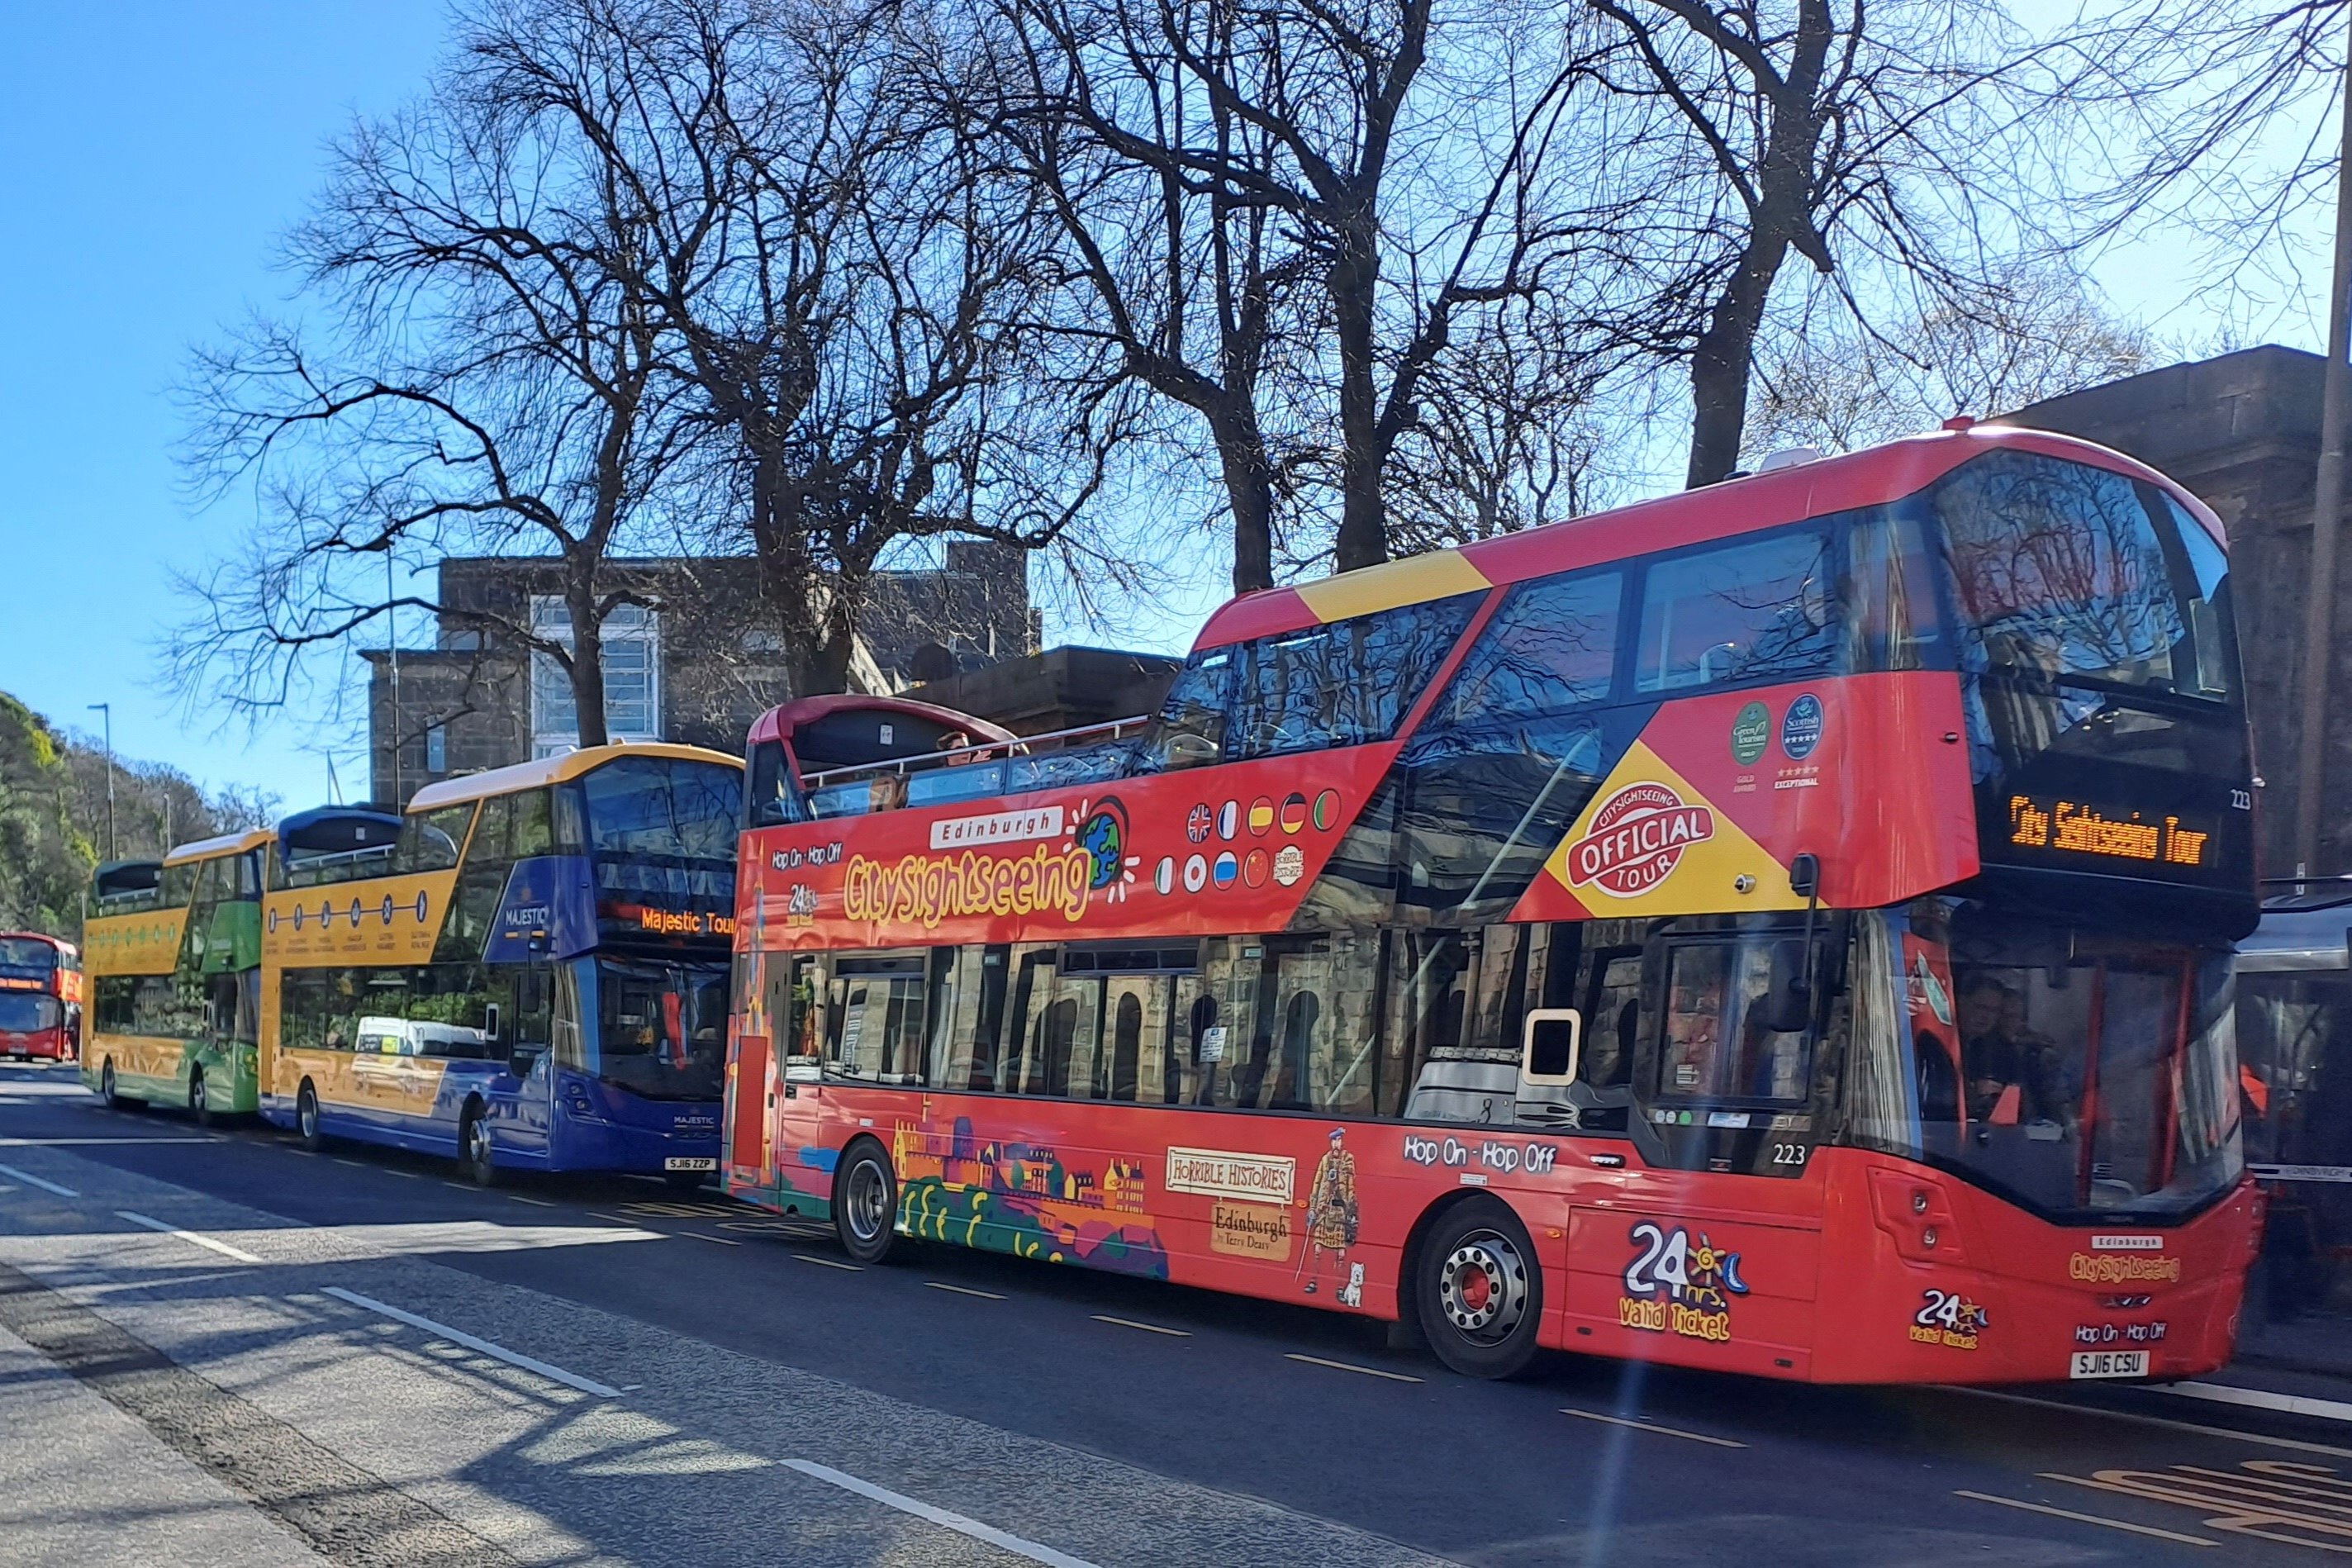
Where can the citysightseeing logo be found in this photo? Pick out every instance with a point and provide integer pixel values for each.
(925, 890)
(1636, 840)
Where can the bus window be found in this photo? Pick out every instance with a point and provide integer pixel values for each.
(532, 829)
(1428, 1007)
(1891, 620)
(1193, 719)
(874, 1029)
(1717, 1044)
(1551, 645)
(430, 841)
(1754, 610)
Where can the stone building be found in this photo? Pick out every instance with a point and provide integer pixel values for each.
(2241, 432)
(697, 672)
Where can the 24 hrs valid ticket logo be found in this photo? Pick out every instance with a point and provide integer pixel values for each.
(1636, 840)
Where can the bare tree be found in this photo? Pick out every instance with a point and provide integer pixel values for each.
(842, 287)
(1894, 135)
(492, 385)
(2036, 332)
(1285, 212)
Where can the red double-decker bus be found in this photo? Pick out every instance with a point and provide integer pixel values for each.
(1784, 928)
(40, 996)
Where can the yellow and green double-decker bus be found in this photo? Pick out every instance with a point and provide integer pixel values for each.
(173, 956)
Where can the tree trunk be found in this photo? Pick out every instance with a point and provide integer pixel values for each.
(587, 665)
(1249, 491)
(1724, 359)
(1363, 513)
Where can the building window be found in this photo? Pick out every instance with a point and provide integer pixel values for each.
(632, 677)
(437, 750)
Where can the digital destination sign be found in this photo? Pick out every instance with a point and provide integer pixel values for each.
(2073, 827)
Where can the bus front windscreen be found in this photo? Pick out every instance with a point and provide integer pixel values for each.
(664, 806)
(2085, 1075)
(23, 953)
(27, 1012)
(661, 1028)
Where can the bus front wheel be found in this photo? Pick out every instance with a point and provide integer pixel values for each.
(476, 1156)
(1478, 1291)
(865, 1203)
(306, 1118)
(200, 1105)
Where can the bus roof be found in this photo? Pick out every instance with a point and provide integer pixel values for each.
(225, 844)
(1869, 477)
(779, 723)
(60, 943)
(518, 776)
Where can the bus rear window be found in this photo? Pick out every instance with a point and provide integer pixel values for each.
(2065, 573)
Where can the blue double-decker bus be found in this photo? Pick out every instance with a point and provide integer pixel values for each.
(526, 970)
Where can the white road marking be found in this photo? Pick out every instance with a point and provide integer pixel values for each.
(519, 1198)
(2260, 1399)
(99, 1142)
(699, 1236)
(1147, 1328)
(499, 1353)
(2088, 1518)
(223, 1248)
(1640, 1426)
(1350, 1366)
(963, 1291)
(2296, 1443)
(355, 1164)
(960, 1523)
(43, 1182)
(830, 1262)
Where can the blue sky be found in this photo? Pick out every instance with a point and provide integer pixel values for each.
(150, 156)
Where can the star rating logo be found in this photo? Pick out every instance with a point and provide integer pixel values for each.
(1197, 826)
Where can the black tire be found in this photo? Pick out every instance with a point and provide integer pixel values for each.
(200, 1105)
(106, 1086)
(306, 1118)
(477, 1157)
(865, 1203)
(1477, 1289)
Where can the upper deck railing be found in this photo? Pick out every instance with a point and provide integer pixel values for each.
(1088, 754)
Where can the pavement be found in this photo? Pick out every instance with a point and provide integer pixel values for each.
(215, 1346)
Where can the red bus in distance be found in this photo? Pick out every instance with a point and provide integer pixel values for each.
(40, 997)
(1785, 927)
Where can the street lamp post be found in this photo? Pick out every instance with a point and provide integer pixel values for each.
(106, 710)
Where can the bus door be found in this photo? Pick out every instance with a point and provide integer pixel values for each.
(532, 1013)
(1720, 1266)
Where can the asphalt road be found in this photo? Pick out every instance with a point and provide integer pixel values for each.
(216, 1347)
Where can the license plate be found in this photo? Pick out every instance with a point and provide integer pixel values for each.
(2109, 1363)
(696, 1162)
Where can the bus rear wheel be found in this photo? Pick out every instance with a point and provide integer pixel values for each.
(105, 1090)
(476, 1156)
(865, 1203)
(200, 1105)
(1478, 1291)
(306, 1118)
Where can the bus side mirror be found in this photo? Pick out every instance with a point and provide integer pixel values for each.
(490, 1023)
(1550, 1045)
(1788, 1004)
